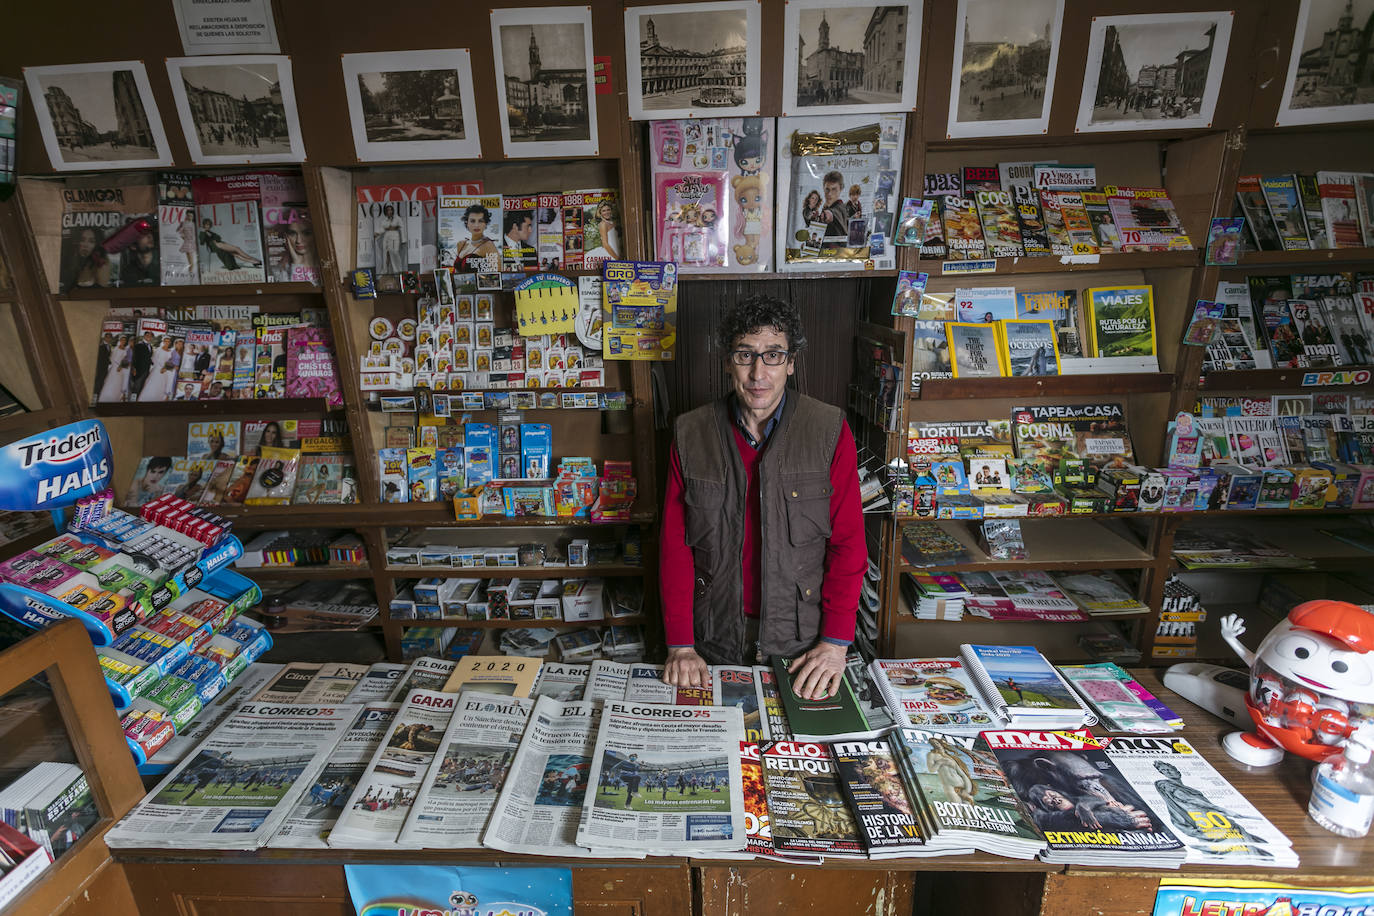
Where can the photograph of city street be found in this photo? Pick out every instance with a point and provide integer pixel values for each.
(1330, 71)
(411, 105)
(97, 115)
(545, 73)
(1005, 62)
(236, 108)
(1155, 68)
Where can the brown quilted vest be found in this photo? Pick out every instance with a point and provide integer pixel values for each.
(794, 516)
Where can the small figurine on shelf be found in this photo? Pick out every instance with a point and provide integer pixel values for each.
(1311, 682)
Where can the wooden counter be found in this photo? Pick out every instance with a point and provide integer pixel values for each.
(269, 882)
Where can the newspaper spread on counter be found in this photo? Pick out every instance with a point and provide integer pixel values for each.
(333, 683)
(463, 782)
(562, 680)
(425, 673)
(308, 824)
(641, 682)
(542, 798)
(238, 786)
(377, 809)
(378, 683)
(607, 680)
(666, 779)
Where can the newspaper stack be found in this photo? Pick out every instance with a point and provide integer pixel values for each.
(539, 806)
(308, 824)
(562, 681)
(425, 673)
(1217, 824)
(461, 787)
(666, 779)
(377, 809)
(642, 682)
(238, 787)
(379, 683)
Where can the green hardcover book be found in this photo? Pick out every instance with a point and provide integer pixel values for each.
(1121, 321)
(834, 718)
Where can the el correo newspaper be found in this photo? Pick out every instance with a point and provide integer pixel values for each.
(319, 806)
(377, 809)
(666, 779)
(540, 803)
(236, 789)
(463, 782)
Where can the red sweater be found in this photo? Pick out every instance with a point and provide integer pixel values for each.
(846, 555)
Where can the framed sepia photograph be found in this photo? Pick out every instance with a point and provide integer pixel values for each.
(1005, 58)
(1329, 77)
(98, 116)
(237, 108)
(412, 105)
(1153, 71)
(850, 56)
(692, 60)
(545, 81)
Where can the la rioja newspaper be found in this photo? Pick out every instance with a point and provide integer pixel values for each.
(1089, 813)
(463, 781)
(666, 779)
(238, 787)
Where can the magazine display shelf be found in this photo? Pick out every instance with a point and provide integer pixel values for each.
(37, 610)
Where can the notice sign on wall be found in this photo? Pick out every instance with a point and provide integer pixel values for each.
(227, 26)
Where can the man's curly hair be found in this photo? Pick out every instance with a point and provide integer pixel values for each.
(756, 314)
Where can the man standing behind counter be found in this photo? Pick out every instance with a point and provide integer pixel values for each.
(763, 549)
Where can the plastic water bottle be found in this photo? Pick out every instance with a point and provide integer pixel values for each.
(1343, 787)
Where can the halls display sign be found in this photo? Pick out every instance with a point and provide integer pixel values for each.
(55, 468)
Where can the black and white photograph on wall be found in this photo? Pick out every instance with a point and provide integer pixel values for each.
(1331, 70)
(97, 116)
(692, 61)
(850, 56)
(237, 108)
(1154, 71)
(412, 105)
(545, 81)
(1005, 59)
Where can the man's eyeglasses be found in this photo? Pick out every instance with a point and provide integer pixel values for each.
(769, 357)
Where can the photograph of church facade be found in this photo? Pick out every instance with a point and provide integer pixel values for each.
(687, 60)
(546, 98)
(1336, 67)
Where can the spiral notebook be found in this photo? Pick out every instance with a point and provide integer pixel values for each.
(1023, 689)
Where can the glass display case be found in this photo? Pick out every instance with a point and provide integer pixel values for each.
(66, 774)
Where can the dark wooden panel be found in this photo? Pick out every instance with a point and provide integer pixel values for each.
(750, 889)
(829, 310)
(106, 894)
